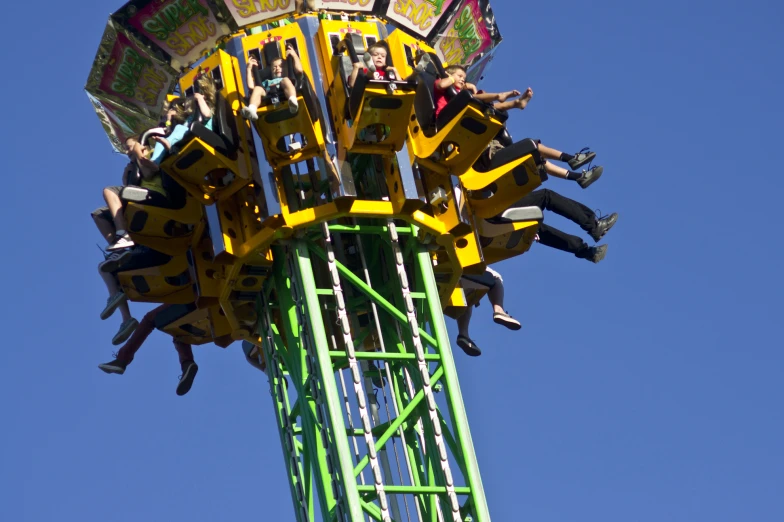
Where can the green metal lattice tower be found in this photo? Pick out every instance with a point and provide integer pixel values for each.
(367, 399)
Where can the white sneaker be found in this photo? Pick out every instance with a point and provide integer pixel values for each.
(293, 105)
(249, 113)
(122, 243)
(507, 320)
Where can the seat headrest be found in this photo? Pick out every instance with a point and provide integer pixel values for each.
(271, 53)
(354, 44)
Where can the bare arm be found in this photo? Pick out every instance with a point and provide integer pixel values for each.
(354, 74)
(205, 110)
(249, 73)
(445, 83)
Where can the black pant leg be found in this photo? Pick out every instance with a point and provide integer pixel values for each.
(554, 238)
(570, 209)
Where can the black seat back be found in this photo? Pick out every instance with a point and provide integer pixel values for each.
(174, 191)
(424, 103)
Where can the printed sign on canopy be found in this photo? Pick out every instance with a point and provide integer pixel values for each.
(181, 28)
(127, 73)
(248, 12)
(418, 16)
(465, 36)
(347, 6)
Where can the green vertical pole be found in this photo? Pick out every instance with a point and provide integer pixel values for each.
(315, 324)
(454, 395)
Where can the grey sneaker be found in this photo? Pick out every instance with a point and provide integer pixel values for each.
(112, 303)
(125, 331)
(598, 253)
(590, 176)
(114, 366)
(581, 158)
(603, 225)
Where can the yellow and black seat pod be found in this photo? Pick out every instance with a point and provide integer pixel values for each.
(512, 173)
(193, 325)
(213, 163)
(287, 137)
(453, 141)
(154, 277)
(509, 234)
(378, 108)
(164, 222)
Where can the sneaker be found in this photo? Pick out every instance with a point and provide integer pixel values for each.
(590, 176)
(468, 346)
(124, 242)
(115, 261)
(581, 158)
(112, 303)
(249, 113)
(507, 320)
(115, 366)
(603, 225)
(598, 253)
(293, 105)
(125, 331)
(189, 369)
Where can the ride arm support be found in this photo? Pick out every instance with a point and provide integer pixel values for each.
(297, 63)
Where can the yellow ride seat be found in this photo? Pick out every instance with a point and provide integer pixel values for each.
(190, 324)
(372, 116)
(162, 220)
(509, 234)
(513, 172)
(453, 141)
(212, 164)
(277, 125)
(154, 277)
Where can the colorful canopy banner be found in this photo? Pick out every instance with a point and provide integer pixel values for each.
(477, 70)
(180, 28)
(118, 122)
(347, 6)
(470, 32)
(249, 12)
(128, 80)
(420, 17)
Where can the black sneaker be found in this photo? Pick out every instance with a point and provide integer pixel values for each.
(115, 261)
(590, 176)
(598, 253)
(581, 158)
(189, 369)
(603, 225)
(468, 346)
(115, 366)
(507, 320)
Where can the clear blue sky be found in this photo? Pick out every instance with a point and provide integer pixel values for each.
(646, 388)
